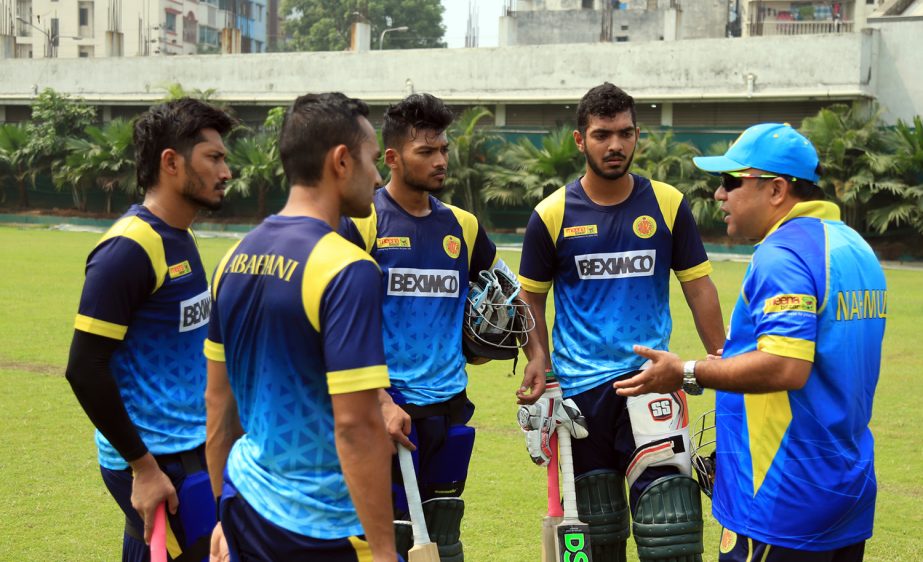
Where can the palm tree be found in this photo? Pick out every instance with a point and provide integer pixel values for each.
(903, 201)
(105, 158)
(17, 157)
(848, 140)
(256, 165)
(526, 173)
(468, 154)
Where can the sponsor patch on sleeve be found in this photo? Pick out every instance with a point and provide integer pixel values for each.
(585, 230)
(180, 269)
(790, 303)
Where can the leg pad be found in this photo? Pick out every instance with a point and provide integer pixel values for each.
(668, 521)
(443, 521)
(601, 504)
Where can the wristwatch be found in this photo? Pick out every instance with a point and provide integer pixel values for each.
(690, 384)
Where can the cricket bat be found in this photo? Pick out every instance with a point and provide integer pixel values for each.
(573, 535)
(159, 537)
(555, 513)
(423, 550)
(553, 517)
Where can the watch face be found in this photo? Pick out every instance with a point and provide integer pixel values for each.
(692, 388)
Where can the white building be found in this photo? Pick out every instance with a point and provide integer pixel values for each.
(114, 28)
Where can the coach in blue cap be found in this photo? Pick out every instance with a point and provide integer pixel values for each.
(795, 475)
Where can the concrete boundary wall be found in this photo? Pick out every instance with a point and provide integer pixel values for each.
(807, 67)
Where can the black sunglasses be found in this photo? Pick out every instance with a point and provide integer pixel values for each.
(732, 180)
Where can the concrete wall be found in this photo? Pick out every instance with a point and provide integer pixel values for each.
(899, 80)
(706, 69)
(696, 20)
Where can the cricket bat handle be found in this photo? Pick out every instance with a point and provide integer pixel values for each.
(565, 457)
(159, 537)
(409, 476)
(554, 486)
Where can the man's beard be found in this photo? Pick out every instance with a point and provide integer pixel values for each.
(613, 175)
(417, 185)
(191, 192)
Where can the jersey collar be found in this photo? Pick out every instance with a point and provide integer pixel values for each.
(823, 210)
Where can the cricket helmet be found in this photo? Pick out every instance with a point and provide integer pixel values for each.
(703, 451)
(497, 322)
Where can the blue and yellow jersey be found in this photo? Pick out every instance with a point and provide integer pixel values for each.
(610, 267)
(795, 468)
(296, 318)
(145, 286)
(426, 263)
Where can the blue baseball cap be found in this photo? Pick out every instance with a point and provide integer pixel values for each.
(772, 147)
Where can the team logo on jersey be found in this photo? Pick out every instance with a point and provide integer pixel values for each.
(616, 265)
(644, 226)
(661, 409)
(180, 269)
(728, 541)
(393, 242)
(422, 282)
(585, 230)
(194, 312)
(790, 303)
(452, 246)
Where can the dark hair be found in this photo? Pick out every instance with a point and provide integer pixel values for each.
(313, 125)
(806, 190)
(605, 100)
(178, 125)
(416, 111)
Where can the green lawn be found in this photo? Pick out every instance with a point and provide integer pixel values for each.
(55, 506)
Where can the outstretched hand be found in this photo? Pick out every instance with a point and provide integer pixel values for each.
(664, 374)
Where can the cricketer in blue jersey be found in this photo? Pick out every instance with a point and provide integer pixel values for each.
(607, 242)
(135, 364)
(428, 251)
(297, 446)
(795, 474)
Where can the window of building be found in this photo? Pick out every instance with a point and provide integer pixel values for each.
(208, 35)
(85, 51)
(170, 23)
(84, 16)
(621, 39)
(587, 4)
(55, 32)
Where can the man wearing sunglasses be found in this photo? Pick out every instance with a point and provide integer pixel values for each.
(795, 474)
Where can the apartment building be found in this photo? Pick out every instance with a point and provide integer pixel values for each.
(115, 28)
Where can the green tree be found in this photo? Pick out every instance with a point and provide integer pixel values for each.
(903, 201)
(848, 140)
(55, 118)
(102, 158)
(469, 153)
(16, 158)
(324, 25)
(255, 162)
(175, 91)
(526, 173)
(661, 157)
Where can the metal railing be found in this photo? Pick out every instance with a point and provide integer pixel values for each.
(800, 27)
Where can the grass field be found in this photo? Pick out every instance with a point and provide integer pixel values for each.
(54, 506)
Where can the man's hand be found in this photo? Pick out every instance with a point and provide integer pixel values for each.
(150, 488)
(397, 421)
(219, 546)
(663, 375)
(533, 382)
